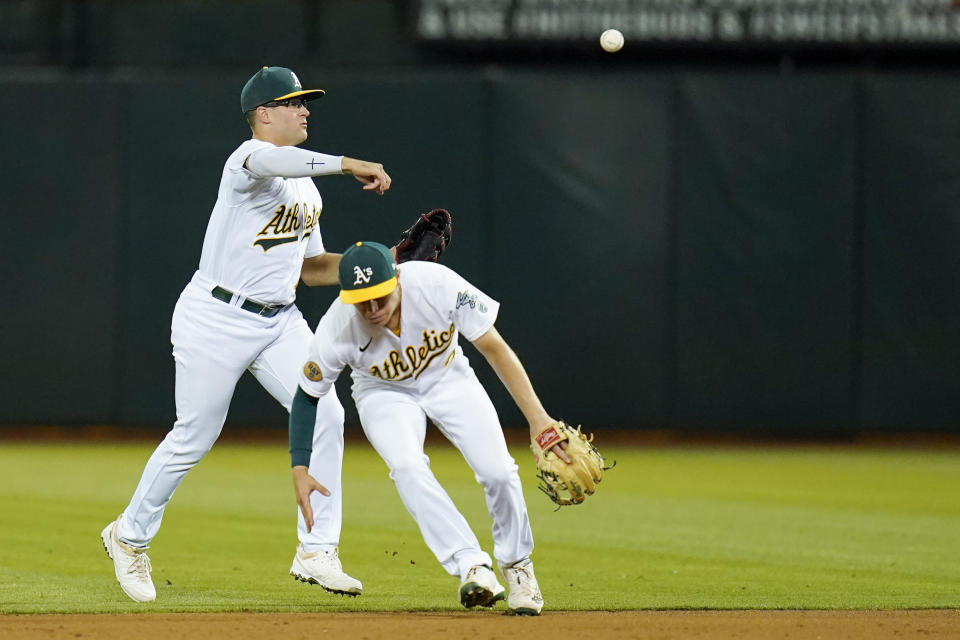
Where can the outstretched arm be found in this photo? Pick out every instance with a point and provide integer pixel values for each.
(303, 416)
(292, 162)
(510, 370)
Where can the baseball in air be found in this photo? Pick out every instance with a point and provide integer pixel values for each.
(611, 40)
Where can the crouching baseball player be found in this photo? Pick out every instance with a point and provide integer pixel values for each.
(398, 330)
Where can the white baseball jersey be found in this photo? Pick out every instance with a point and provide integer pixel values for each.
(437, 305)
(260, 231)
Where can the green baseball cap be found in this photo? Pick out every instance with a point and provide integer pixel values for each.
(271, 84)
(367, 271)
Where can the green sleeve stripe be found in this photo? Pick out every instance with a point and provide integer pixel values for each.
(303, 415)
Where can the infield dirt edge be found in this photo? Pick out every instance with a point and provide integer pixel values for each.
(749, 624)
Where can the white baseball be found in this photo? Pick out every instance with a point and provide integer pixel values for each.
(611, 40)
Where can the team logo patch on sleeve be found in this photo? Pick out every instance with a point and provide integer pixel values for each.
(312, 371)
(466, 299)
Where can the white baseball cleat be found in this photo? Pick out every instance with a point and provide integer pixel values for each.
(480, 588)
(524, 598)
(324, 568)
(131, 564)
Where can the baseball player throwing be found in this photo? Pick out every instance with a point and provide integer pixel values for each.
(398, 330)
(237, 314)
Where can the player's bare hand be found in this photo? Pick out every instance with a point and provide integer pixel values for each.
(371, 174)
(303, 485)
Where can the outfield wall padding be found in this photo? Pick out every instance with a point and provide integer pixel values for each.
(750, 251)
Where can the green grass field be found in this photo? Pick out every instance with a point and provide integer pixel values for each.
(670, 528)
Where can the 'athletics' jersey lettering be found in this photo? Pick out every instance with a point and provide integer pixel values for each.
(285, 224)
(418, 358)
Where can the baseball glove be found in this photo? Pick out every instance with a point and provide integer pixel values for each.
(427, 238)
(564, 483)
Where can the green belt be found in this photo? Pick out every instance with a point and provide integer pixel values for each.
(266, 310)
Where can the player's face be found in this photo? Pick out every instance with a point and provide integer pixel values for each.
(381, 310)
(289, 118)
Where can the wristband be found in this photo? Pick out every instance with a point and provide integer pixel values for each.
(303, 416)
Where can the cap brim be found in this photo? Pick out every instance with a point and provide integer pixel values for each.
(309, 94)
(353, 296)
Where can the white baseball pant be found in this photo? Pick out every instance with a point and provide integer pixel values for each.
(213, 344)
(394, 421)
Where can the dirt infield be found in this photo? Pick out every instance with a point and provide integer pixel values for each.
(700, 625)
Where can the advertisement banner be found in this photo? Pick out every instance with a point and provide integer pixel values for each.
(721, 23)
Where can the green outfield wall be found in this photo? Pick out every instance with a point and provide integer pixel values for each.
(735, 250)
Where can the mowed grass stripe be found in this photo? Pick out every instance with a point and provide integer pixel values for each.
(674, 528)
